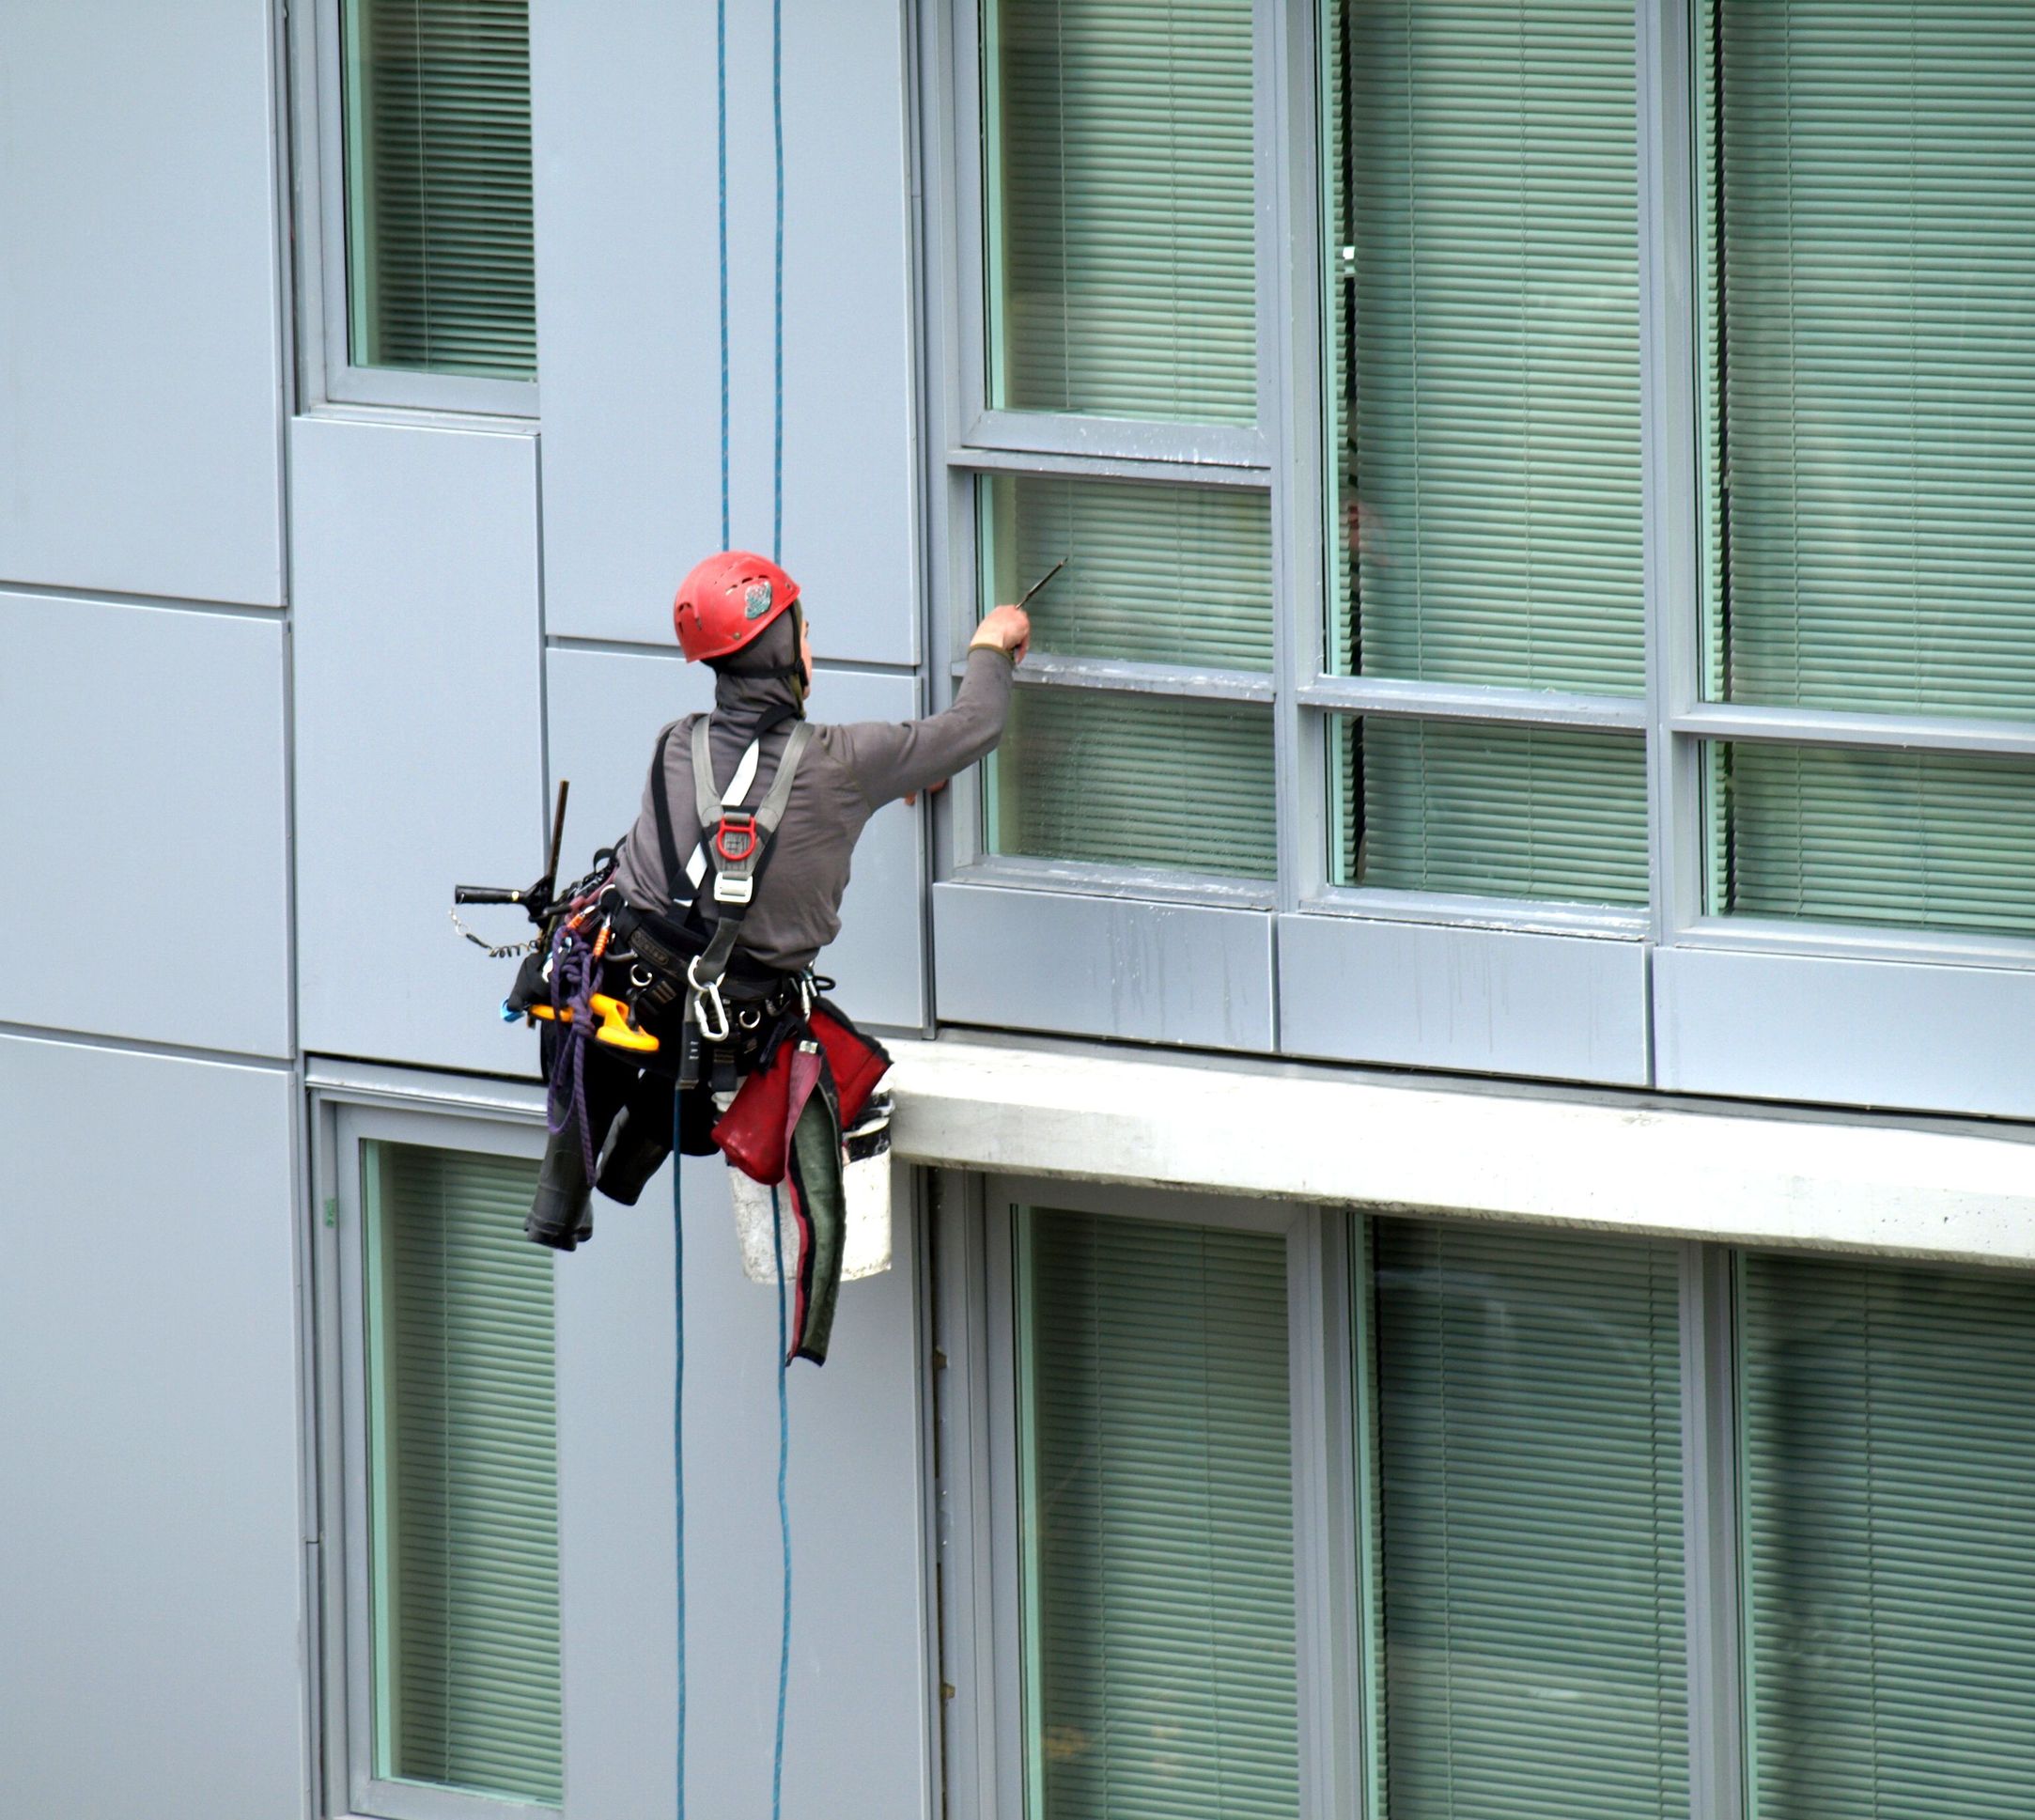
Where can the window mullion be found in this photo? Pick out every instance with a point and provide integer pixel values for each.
(1710, 1534)
(1669, 453)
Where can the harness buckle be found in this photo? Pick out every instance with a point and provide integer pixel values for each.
(735, 840)
(734, 887)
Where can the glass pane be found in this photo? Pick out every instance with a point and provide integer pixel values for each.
(1135, 780)
(1491, 811)
(1158, 1522)
(1159, 574)
(1121, 218)
(1873, 194)
(439, 242)
(1529, 1450)
(464, 1483)
(1484, 356)
(1908, 839)
(1889, 1540)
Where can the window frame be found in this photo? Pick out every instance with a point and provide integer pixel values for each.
(326, 371)
(344, 1122)
(1336, 1470)
(1637, 986)
(986, 1749)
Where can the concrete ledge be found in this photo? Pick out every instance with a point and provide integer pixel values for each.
(1955, 1192)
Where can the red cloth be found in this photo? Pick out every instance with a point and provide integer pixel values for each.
(754, 1133)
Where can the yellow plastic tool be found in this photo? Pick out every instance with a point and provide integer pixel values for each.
(615, 1028)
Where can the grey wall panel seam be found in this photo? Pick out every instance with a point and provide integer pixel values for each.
(664, 647)
(545, 784)
(172, 603)
(132, 1046)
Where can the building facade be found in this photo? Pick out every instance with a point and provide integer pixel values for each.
(1464, 1190)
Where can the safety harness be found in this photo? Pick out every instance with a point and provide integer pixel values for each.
(719, 884)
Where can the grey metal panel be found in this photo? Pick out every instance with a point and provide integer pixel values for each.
(419, 729)
(630, 388)
(152, 1526)
(1856, 1032)
(605, 709)
(1103, 967)
(143, 824)
(141, 368)
(1493, 1000)
(855, 1739)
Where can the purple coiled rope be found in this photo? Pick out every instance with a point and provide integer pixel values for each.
(574, 974)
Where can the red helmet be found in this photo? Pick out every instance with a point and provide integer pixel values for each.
(727, 601)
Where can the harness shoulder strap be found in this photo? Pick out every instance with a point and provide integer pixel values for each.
(667, 842)
(735, 872)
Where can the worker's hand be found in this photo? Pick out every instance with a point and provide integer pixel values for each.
(911, 796)
(1007, 628)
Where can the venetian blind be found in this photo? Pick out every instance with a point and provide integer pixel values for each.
(1157, 574)
(1872, 201)
(1493, 810)
(1175, 575)
(1158, 1515)
(1891, 1540)
(1528, 1396)
(440, 239)
(465, 1490)
(1135, 780)
(1877, 264)
(1488, 308)
(1901, 839)
(1121, 209)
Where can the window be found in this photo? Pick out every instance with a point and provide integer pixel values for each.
(1889, 1542)
(1868, 217)
(1286, 1512)
(1485, 529)
(1156, 1476)
(426, 274)
(1543, 487)
(446, 1635)
(1527, 1505)
(1118, 344)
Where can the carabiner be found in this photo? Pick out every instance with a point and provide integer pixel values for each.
(705, 993)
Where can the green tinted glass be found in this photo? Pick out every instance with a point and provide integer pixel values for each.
(441, 273)
(1530, 1461)
(1483, 361)
(1159, 574)
(1157, 1514)
(1489, 811)
(1135, 780)
(463, 1482)
(1121, 215)
(1871, 222)
(1914, 840)
(1889, 1539)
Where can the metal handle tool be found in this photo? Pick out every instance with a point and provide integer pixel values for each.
(1024, 599)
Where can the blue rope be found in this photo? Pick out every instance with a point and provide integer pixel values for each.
(679, 1421)
(720, 110)
(784, 1510)
(777, 123)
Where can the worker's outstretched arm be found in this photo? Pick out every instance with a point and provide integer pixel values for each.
(891, 760)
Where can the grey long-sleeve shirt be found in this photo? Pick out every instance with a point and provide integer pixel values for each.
(847, 773)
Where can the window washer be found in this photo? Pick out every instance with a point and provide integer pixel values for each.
(686, 957)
